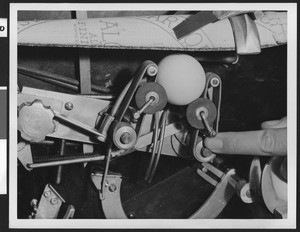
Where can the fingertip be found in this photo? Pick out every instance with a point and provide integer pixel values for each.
(214, 144)
(269, 124)
(273, 124)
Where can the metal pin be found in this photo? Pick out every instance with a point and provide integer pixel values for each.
(59, 169)
(211, 132)
(137, 114)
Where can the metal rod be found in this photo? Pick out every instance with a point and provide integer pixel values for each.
(51, 142)
(156, 119)
(78, 124)
(63, 162)
(58, 79)
(97, 96)
(161, 141)
(59, 169)
(108, 157)
(142, 109)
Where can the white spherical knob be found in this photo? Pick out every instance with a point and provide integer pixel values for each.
(183, 78)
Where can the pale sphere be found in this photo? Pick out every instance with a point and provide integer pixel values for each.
(183, 78)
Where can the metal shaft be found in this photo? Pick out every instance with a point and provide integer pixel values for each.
(142, 109)
(63, 162)
(79, 125)
(211, 131)
(108, 157)
(59, 169)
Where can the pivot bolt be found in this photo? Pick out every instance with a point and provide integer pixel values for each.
(214, 82)
(47, 194)
(54, 201)
(69, 106)
(152, 71)
(112, 188)
(125, 138)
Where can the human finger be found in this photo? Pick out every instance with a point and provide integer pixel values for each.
(263, 142)
(282, 123)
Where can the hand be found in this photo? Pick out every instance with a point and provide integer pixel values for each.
(270, 141)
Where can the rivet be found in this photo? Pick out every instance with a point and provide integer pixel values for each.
(54, 201)
(47, 194)
(112, 188)
(151, 71)
(69, 106)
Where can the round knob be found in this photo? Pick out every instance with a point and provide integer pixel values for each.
(198, 107)
(35, 121)
(151, 90)
(183, 78)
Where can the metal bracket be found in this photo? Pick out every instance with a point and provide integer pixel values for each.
(49, 204)
(111, 204)
(218, 199)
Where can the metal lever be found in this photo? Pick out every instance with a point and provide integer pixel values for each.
(137, 114)
(119, 109)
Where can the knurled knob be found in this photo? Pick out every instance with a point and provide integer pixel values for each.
(35, 121)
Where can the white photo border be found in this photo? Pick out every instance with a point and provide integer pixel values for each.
(290, 222)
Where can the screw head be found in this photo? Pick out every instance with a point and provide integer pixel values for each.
(152, 71)
(125, 138)
(47, 194)
(136, 115)
(214, 82)
(112, 187)
(69, 106)
(54, 201)
(213, 133)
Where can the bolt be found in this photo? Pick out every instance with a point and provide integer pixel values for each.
(54, 201)
(125, 138)
(151, 71)
(212, 133)
(214, 82)
(112, 188)
(136, 115)
(69, 106)
(47, 194)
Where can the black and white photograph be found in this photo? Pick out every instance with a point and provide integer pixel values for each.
(164, 116)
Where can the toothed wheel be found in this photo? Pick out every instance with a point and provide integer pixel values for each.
(35, 121)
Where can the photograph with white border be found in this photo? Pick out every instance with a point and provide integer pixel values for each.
(116, 118)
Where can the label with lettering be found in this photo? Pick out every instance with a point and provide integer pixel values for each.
(144, 32)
